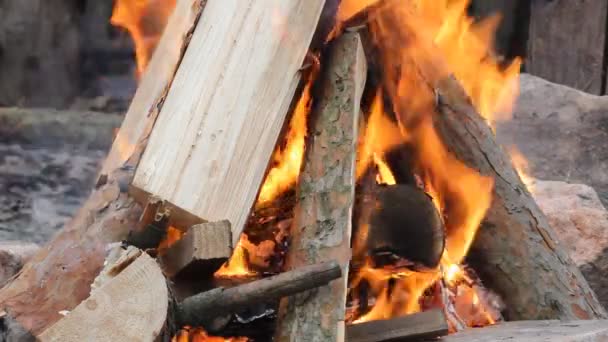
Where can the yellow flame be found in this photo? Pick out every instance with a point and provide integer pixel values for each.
(145, 21)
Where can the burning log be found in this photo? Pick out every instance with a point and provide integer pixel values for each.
(128, 301)
(68, 265)
(419, 326)
(201, 309)
(518, 253)
(203, 249)
(214, 137)
(322, 224)
(405, 223)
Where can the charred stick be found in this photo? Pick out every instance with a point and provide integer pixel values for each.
(200, 309)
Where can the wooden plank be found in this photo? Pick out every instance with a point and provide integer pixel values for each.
(322, 223)
(204, 248)
(130, 304)
(59, 276)
(419, 326)
(536, 331)
(220, 122)
(567, 42)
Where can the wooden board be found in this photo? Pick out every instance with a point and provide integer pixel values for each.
(567, 41)
(220, 122)
(129, 306)
(536, 331)
(419, 326)
(322, 223)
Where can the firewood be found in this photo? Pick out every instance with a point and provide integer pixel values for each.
(322, 223)
(59, 277)
(419, 326)
(129, 302)
(518, 252)
(200, 309)
(214, 137)
(404, 223)
(536, 331)
(202, 250)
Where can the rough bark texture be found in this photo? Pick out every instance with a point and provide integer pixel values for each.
(322, 224)
(39, 52)
(59, 276)
(517, 250)
(201, 309)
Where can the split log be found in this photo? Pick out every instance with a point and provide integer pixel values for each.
(201, 309)
(202, 250)
(518, 252)
(129, 302)
(59, 277)
(419, 326)
(536, 331)
(322, 223)
(214, 137)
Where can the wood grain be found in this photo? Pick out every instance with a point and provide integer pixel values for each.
(213, 140)
(567, 42)
(322, 223)
(129, 306)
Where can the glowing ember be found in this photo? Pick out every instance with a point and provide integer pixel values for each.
(145, 21)
(188, 334)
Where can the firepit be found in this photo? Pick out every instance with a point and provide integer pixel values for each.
(305, 171)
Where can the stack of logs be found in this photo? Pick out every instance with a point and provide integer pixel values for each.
(192, 153)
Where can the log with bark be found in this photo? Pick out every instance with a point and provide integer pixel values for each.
(68, 265)
(322, 225)
(517, 251)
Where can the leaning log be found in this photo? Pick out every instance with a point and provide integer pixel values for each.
(421, 326)
(518, 252)
(59, 277)
(322, 223)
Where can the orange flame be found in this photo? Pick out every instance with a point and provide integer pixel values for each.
(145, 21)
(188, 334)
(405, 32)
(523, 168)
(288, 160)
(238, 265)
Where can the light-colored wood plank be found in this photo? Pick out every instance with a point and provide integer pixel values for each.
(207, 245)
(322, 223)
(536, 331)
(130, 304)
(215, 134)
(155, 81)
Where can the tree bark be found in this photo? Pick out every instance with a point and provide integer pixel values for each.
(517, 251)
(59, 277)
(322, 223)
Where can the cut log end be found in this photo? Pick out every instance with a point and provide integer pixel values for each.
(129, 302)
